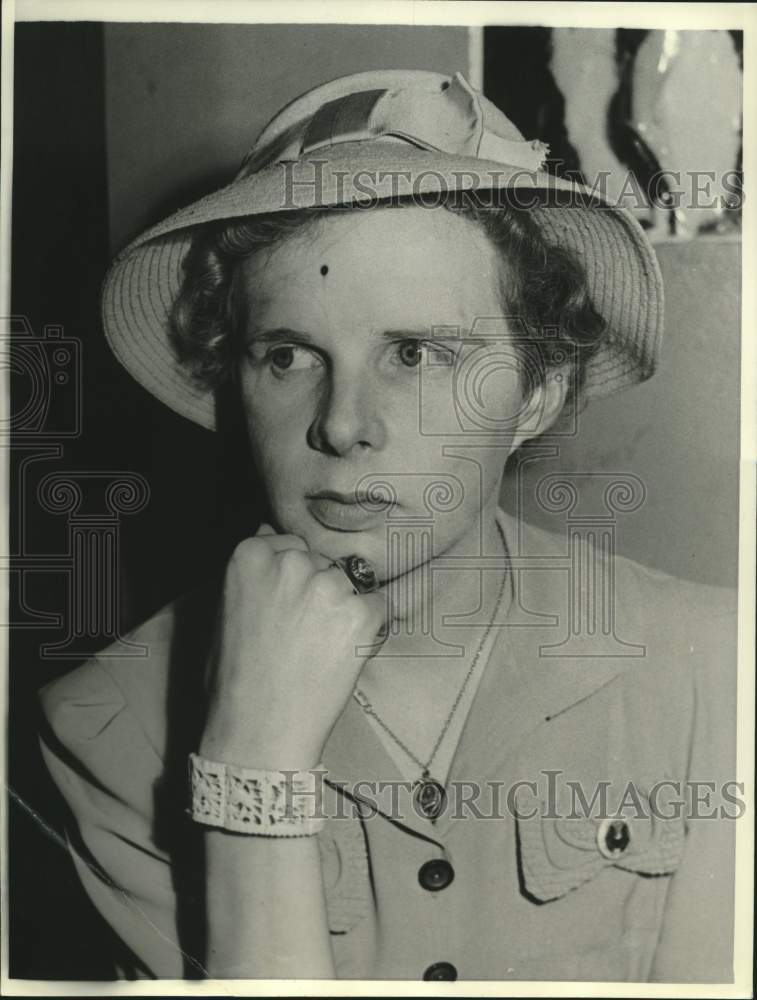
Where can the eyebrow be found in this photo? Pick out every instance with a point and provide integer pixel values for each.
(279, 335)
(283, 334)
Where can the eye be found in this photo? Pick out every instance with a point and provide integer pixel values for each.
(412, 352)
(289, 357)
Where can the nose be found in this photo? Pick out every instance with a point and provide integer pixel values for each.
(349, 416)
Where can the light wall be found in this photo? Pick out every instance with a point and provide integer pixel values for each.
(677, 433)
(184, 102)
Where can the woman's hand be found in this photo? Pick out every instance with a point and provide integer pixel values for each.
(287, 655)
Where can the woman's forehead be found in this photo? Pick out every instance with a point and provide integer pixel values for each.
(380, 268)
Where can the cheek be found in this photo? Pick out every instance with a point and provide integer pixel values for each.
(274, 419)
(273, 444)
(483, 396)
(488, 392)
(460, 437)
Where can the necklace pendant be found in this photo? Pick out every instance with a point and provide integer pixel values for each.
(429, 796)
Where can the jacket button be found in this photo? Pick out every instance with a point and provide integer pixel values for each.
(613, 837)
(441, 970)
(435, 875)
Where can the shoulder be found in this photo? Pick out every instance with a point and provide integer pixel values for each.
(676, 602)
(129, 701)
(674, 641)
(682, 689)
(115, 738)
(689, 629)
(640, 595)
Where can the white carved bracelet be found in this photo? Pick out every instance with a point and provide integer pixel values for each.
(249, 800)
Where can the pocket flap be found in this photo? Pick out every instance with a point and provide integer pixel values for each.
(560, 853)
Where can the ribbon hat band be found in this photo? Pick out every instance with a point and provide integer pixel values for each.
(449, 119)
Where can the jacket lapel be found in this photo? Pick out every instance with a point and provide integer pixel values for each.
(522, 686)
(524, 683)
(357, 761)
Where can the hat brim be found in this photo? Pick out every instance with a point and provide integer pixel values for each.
(622, 272)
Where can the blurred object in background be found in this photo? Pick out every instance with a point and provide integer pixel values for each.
(584, 68)
(648, 118)
(687, 107)
(619, 109)
(518, 79)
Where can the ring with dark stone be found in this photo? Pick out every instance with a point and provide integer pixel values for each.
(361, 574)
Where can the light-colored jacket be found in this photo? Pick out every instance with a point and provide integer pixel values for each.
(542, 887)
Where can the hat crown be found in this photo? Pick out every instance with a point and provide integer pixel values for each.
(427, 110)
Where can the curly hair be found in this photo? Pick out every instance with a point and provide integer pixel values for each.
(542, 285)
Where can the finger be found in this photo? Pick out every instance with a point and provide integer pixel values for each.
(280, 543)
(379, 613)
(283, 542)
(334, 572)
(379, 606)
(321, 561)
(376, 604)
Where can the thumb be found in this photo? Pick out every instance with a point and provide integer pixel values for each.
(264, 529)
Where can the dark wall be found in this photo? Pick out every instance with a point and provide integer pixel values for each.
(96, 423)
(59, 239)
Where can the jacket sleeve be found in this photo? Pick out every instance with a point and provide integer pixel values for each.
(107, 771)
(696, 943)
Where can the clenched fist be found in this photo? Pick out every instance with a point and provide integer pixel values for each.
(286, 658)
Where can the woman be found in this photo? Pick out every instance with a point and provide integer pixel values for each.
(386, 759)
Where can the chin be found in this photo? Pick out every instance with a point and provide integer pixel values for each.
(372, 544)
(337, 544)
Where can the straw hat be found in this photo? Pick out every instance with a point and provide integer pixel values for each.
(379, 135)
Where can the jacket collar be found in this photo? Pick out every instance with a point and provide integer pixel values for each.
(526, 681)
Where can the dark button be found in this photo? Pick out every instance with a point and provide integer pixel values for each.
(613, 837)
(436, 874)
(441, 970)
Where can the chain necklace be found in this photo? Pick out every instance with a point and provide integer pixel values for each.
(429, 794)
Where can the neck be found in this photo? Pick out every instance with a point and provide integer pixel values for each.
(439, 609)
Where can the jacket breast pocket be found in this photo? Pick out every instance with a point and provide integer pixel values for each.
(559, 851)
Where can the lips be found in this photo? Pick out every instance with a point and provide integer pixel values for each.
(345, 512)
